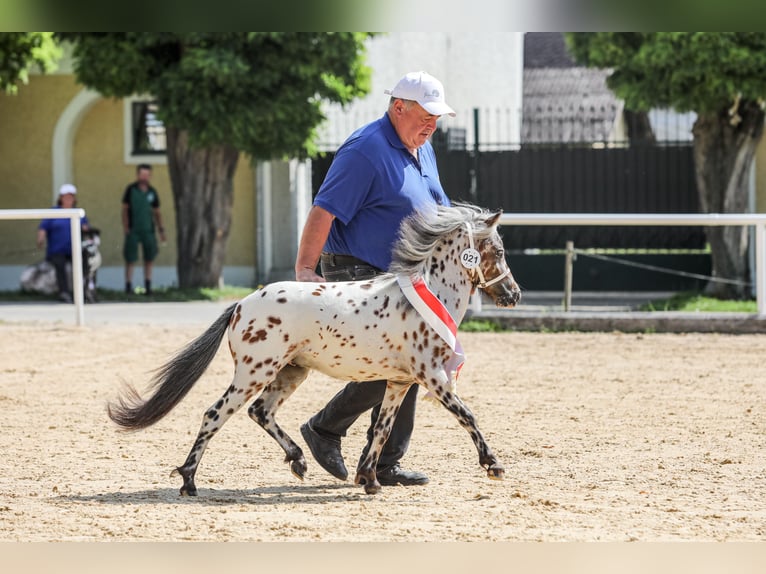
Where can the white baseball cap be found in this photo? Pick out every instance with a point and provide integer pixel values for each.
(67, 188)
(424, 89)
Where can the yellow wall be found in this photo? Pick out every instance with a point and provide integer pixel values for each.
(27, 122)
(241, 249)
(101, 175)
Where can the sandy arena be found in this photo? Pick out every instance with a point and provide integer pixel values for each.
(611, 437)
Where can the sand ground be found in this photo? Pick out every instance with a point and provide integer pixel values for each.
(608, 436)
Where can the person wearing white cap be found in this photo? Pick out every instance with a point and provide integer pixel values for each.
(55, 234)
(382, 173)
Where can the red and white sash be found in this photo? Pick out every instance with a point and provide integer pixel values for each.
(437, 317)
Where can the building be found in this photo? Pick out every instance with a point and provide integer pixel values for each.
(55, 131)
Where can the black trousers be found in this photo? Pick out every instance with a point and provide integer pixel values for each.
(59, 262)
(356, 398)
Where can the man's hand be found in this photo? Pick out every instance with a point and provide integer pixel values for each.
(308, 274)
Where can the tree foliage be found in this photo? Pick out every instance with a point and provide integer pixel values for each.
(257, 91)
(688, 71)
(220, 94)
(20, 51)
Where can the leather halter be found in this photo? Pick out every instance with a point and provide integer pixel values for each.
(483, 283)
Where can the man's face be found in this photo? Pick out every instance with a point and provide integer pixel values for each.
(144, 175)
(415, 125)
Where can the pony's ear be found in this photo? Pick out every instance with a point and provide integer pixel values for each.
(494, 218)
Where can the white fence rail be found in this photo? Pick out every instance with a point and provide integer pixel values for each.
(629, 219)
(73, 215)
(758, 220)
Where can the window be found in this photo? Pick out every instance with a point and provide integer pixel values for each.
(148, 130)
(145, 139)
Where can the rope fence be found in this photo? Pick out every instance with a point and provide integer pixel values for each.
(659, 269)
(757, 220)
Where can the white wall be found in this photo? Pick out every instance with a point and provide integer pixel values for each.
(478, 70)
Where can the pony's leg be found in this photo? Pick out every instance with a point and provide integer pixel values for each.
(389, 408)
(264, 409)
(239, 392)
(453, 404)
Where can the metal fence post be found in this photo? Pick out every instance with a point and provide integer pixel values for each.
(760, 267)
(568, 275)
(77, 277)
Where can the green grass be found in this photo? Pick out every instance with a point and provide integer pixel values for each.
(170, 294)
(480, 326)
(691, 302)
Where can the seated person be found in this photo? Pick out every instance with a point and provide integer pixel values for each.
(55, 234)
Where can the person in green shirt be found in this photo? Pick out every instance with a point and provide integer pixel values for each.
(141, 219)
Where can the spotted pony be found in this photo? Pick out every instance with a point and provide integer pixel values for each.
(358, 330)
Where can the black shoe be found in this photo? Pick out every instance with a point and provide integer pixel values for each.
(394, 475)
(326, 451)
(65, 297)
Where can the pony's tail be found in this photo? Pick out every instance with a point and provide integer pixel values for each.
(172, 381)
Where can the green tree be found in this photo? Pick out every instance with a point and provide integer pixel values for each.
(20, 51)
(720, 76)
(220, 94)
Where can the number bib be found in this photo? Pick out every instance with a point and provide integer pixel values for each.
(470, 258)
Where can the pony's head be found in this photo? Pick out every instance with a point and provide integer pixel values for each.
(461, 235)
(484, 260)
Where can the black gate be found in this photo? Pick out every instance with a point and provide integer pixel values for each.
(641, 179)
(557, 179)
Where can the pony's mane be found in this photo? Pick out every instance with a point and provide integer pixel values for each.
(421, 232)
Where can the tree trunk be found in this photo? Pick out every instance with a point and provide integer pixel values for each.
(201, 179)
(724, 146)
(639, 127)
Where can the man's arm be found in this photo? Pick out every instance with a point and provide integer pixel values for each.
(313, 238)
(158, 223)
(125, 218)
(40, 238)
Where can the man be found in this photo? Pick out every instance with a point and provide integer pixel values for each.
(140, 215)
(382, 173)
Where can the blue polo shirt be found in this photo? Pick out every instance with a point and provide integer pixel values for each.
(374, 182)
(58, 236)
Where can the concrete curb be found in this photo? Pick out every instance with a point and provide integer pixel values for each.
(203, 313)
(629, 322)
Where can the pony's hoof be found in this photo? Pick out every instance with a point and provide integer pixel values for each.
(298, 468)
(496, 472)
(372, 487)
(188, 488)
(370, 483)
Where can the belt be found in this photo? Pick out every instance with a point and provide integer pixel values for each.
(336, 260)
